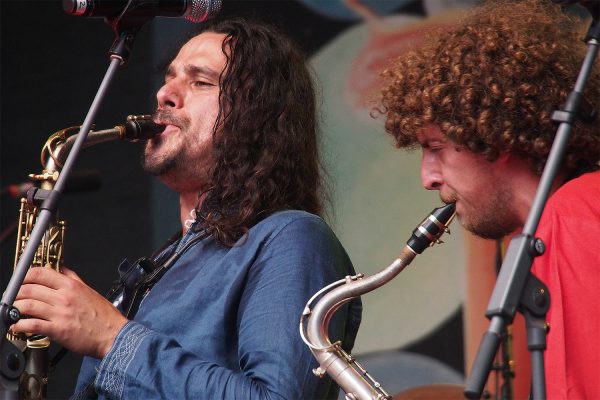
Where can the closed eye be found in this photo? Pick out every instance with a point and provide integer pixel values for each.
(201, 83)
(433, 146)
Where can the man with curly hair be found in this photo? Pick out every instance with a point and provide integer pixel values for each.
(219, 317)
(478, 100)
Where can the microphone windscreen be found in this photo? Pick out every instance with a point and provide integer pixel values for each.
(201, 10)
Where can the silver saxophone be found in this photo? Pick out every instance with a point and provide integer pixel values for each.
(349, 374)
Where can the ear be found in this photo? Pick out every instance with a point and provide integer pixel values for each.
(504, 158)
(513, 165)
(509, 164)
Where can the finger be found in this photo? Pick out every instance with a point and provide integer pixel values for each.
(38, 292)
(33, 325)
(34, 308)
(71, 274)
(45, 277)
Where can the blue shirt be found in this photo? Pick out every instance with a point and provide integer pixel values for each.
(222, 323)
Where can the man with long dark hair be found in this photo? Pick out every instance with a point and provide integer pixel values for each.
(478, 101)
(219, 316)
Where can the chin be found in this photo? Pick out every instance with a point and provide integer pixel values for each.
(490, 230)
(156, 165)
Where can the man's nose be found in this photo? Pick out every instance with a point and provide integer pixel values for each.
(168, 96)
(431, 176)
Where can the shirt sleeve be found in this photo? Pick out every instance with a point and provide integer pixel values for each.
(274, 363)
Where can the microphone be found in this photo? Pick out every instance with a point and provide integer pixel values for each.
(192, 10)
(79, 181)
(16, 190)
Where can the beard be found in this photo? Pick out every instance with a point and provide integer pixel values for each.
(180, 160)
(493, 218)
(160, 163)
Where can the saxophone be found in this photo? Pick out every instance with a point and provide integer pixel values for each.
(33, 381)
(349, 374)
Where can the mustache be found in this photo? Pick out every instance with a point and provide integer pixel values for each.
(165, 117)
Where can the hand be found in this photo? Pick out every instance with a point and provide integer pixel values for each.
(64, 308)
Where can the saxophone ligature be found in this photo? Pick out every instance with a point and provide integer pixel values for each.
(344, 369)
(34, 379)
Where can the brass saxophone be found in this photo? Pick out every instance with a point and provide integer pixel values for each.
(34, 379)
(349, 374)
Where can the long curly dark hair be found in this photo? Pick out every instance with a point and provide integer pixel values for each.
(492, 82)
(265, 139)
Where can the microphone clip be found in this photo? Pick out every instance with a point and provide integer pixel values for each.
(125, 26)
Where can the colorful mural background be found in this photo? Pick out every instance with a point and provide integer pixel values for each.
(50, 71)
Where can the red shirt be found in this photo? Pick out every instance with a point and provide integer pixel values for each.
(570, 267)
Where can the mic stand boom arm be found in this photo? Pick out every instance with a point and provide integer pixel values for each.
(516, 286)
(11, 358)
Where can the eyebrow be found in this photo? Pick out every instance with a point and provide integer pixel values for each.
(426, 142)
(194, 70)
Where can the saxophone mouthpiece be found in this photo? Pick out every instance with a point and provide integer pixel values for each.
(141, 127)
(429, 231)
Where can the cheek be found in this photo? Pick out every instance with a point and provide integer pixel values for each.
(205, 115)
(462, 172)
(475, 188)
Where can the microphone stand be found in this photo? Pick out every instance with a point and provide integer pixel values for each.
(12, 362)
(503, 364)
(516, 287)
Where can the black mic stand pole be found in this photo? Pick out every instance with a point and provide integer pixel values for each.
(11, 358)
(516, 286)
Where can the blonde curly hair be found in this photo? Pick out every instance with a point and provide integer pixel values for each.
(492, 82)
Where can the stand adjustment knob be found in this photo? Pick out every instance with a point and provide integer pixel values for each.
(537, 247)
(13, 315)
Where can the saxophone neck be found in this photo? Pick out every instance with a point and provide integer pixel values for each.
(62, 150)
(59, 145)
(314, 323)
